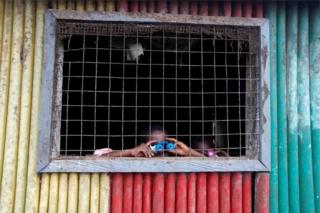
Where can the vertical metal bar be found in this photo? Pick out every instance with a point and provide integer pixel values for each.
(137, 193)
(314, 54)
(173, 7)
(261, 199)
(4, 76)
(282, 109)
(202, 95)
(94, 193)
(236, 11)
(305, 151)
(142, 6)
(158, 193)
(146, 202)
(227, 119)
(53, 192)
(274, 191)
(63, 193)
(292, 70)
(246, 193)
(150, 79)
(151, 6)
(170, 190)
(101, 5)
(184, 7)
(201, 193)
(163, 77)
(181, 193)
(189, 84)
(26, 84)
(227, 8)
(110, 5)
(122, 95)
(127, 193)
(80, 5)
(203, 8)
(133, 6)
(61, 4)
(109, 84)
(84, 193)
(213, 192)
(161, 6)
(104, 205)
(176, 82)
(95, 93)
(239, 95)
(116, 193)
(8, 182)
(90, 5)
(122, 6)
(73, 189)
(191, 199)
(70, 5)
(258, 9)
(247, 9)
(214, 9)
(136, 96)
(44, 193)
(236, 192)
(224, 192)
(33, 181)
(193, 8)
(82, 86)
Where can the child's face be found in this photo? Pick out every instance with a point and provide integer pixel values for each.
(157, 135)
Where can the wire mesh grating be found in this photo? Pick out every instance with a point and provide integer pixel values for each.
(199, 82)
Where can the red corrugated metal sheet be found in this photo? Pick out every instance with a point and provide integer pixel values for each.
(193, 192)
(187, 193)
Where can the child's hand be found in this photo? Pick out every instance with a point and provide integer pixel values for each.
(181, 148)
(143, 150)
(100, 152)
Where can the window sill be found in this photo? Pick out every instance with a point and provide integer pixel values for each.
(187, 164)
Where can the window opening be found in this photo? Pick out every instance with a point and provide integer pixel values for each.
(198, 82)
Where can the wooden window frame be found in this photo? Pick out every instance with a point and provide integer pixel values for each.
(48, 159)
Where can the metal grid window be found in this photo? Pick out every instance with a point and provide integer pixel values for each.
(114, 79)
(194, 81)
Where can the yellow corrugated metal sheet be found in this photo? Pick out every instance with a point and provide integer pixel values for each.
(21, 189)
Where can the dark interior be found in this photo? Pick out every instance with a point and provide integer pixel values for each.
(108, 101)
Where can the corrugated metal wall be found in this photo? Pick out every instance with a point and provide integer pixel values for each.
(295, 120)
(193, 192)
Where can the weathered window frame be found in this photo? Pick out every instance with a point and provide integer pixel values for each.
(48, 160)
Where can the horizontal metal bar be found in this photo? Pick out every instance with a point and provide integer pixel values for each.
(159, 78)
(172, 164)
(178, 135)
(169, 121)
(160, 92)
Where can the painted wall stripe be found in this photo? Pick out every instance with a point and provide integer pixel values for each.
(292, 72)
(181, 193)
(247, 193)
(137, 192)
(224, 193)
(305, 147)
(170, 193)
(282, 109)
(213, 193)
(314, 62)
(191, 193)
(236, 192)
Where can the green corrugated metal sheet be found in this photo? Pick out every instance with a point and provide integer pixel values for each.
(295, 106)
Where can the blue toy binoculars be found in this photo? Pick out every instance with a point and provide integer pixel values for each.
(163, 146)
